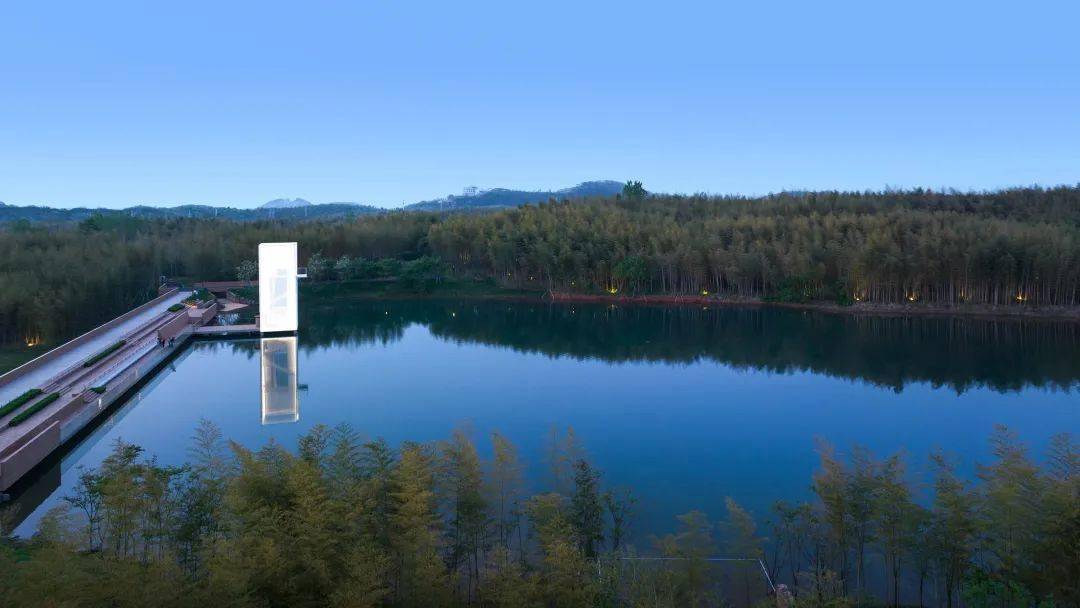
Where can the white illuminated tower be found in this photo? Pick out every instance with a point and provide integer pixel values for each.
(277, 287)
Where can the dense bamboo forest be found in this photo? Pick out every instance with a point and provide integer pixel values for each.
(1004, 248)
(1010, 248)
(344, 521)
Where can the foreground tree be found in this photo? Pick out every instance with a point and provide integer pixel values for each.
(421, 576)
(463, 490)
(344, 522)
(586, 509)
(505, 490)
(742, 542)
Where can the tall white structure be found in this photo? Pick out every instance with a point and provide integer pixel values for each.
(277, 287)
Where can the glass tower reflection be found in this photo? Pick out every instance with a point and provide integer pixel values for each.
(280, 403)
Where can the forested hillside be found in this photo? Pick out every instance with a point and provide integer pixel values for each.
(1011, 248)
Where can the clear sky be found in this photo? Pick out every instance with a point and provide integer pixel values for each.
(120, 103)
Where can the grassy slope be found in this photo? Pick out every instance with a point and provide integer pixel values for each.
(14, 356)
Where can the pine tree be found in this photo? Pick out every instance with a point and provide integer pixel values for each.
(831, 487)
(691, 547)
(463, 490)
(954, 525)
(742, 542)
(619, 504)
(894, 519)
(504, 489)
(565, 574)
(586, 510)
(421, 576)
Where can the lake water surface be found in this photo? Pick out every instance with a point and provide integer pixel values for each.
(683, 405)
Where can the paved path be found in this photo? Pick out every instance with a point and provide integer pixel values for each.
(227, 306)
(43, 375)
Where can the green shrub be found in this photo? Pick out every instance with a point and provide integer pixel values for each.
(18, 402)
(33, 409)
(248, 293)
(176, 307)
(386, 267)
(421, 274)
(98, 389)
(200, 295)
(791, 290)
(842, 293)
(105, 353)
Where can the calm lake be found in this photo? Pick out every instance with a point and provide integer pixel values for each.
(683, 405)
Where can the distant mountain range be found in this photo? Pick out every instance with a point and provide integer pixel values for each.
(502, 197)
(285, 203)
(11, 213)
(300, 209)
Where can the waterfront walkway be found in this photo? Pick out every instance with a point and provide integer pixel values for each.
(66, 377)
(44, 375)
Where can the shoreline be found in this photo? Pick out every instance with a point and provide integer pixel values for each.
(479, 291)
(861, 309)
(11, 356)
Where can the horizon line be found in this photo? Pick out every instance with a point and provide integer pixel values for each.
(887, 189)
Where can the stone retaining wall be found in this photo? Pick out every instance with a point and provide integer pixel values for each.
(33, 451)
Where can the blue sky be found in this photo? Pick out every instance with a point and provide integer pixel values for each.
(121, 103)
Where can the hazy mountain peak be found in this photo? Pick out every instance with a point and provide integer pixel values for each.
(504, 197)
(284, 209)
(285, 203)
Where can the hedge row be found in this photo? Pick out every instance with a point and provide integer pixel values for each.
(176, 307)
(33, 409)
(105, 353)
(18, 402)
